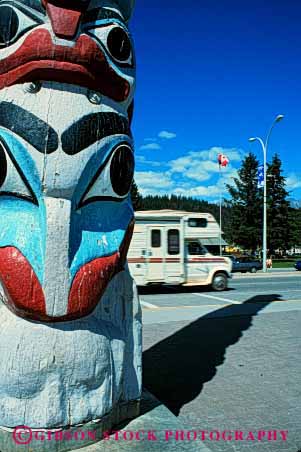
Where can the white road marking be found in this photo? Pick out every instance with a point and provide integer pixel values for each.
(218, 298)
(272, 291)
(172, 308)
(148, 305)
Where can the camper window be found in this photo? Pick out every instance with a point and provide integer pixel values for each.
(173, 241)
(196, 249)
(197, 222)
(156, 238)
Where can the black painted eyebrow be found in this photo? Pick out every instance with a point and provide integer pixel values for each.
(35, 131)
(92, 128)
(100, 14)
(33, 4)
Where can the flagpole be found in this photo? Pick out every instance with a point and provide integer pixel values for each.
(220, 212)
(222, 161)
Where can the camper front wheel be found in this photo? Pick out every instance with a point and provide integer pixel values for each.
(219, 282)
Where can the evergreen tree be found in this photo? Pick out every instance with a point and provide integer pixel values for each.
(294, 216)
(278, 208)
(245, 225)
(136, 197)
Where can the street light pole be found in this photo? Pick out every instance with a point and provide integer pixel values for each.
(264, 149)
(264, 234)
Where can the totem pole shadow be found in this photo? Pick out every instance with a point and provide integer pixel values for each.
(175, 369)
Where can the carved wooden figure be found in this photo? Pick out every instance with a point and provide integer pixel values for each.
(70, 337)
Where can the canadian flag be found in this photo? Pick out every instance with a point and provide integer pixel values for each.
(222, 160)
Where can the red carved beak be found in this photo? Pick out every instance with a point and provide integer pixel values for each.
(25, 296)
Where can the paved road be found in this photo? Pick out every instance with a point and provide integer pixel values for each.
(230, 360)
(165, 304)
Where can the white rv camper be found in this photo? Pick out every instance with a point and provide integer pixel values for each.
(167, 248)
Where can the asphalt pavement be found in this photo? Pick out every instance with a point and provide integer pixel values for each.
(229, 361)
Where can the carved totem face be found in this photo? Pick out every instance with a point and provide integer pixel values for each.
(67, 76)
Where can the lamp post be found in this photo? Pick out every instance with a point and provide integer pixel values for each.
(264, 146)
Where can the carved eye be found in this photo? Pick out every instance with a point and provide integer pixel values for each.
(3, 166)
(9, 24)
(117, 43)
(13, 23)
(114, 179)
(12, 180)
(122, 170)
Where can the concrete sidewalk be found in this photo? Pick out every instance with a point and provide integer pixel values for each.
(239, 373)
(270, 273)
(284, 269)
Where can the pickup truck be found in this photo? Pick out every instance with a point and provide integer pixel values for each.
(245, 264)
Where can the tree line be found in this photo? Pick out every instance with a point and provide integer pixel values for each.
(243, 210)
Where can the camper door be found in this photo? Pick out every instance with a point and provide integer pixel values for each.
(175, 273)
(156, 254)
(165, 261)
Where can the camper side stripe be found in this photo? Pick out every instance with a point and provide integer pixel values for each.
(159, 260)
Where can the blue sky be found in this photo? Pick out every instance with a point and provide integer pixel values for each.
(210, 75)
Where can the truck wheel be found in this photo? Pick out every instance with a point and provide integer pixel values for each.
(253, 270)
(219, 282)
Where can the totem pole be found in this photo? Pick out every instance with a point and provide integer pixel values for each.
(70, 335)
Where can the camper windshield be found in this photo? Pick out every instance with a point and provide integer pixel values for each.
(196, 249)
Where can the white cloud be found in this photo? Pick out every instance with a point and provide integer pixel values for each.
(201, 190)
(165, 135)
(153, 179)
(153, 163)
(228, 178)
(194, 174)
(150, 146)
(197, 174)
(181, 164)
(293, 181)
(211, 154)
(202, 165)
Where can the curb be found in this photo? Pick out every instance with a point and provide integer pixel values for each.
(154, 417)
(274, 274)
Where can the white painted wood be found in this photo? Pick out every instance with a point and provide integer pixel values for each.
(57, 277)
(55, 375)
